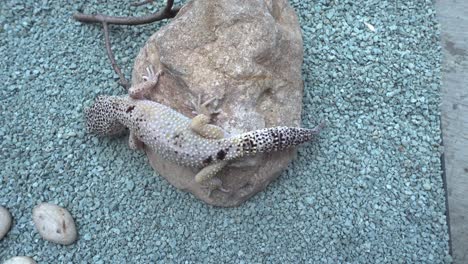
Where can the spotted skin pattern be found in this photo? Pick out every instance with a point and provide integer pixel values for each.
(175, 137)
(168, 132)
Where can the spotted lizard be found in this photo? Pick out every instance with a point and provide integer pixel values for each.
(188, 142)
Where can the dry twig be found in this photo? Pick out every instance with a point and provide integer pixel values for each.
(122, 80)
(167, 12)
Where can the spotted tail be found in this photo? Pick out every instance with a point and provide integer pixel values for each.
(273, 139)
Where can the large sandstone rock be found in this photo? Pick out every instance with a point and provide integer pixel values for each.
(248, 53)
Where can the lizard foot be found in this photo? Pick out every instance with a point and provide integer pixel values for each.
(214, 184)
(151, 76)
(150, 80)
(205, 112)
(208, 108)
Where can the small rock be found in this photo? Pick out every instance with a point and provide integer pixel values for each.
(87, 237)
(5, 221)
(54, 223)
(309, 200)
(116, 231)
(20, 260)
(130, 185)
(427, 186)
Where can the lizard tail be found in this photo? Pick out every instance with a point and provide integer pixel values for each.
(273, 139)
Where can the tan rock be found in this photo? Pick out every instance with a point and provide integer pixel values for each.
(20, 260)
(5, 221)
(54, 223)
(248, 53)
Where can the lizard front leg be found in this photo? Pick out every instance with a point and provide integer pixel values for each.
(201, 123)
(140, 90)
(134, 143)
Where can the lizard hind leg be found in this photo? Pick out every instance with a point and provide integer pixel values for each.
(206, 177)
(201, 123)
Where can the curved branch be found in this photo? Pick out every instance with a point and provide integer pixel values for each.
(167, 12)
(110, 54)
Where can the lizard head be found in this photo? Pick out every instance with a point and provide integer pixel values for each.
(101, 117)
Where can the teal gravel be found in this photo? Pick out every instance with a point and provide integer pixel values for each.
(370, 190)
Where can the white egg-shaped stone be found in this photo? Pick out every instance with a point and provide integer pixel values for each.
(20, 260)
(54, 223)
(5, 221)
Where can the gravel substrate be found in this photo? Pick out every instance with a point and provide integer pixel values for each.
(370, 190)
